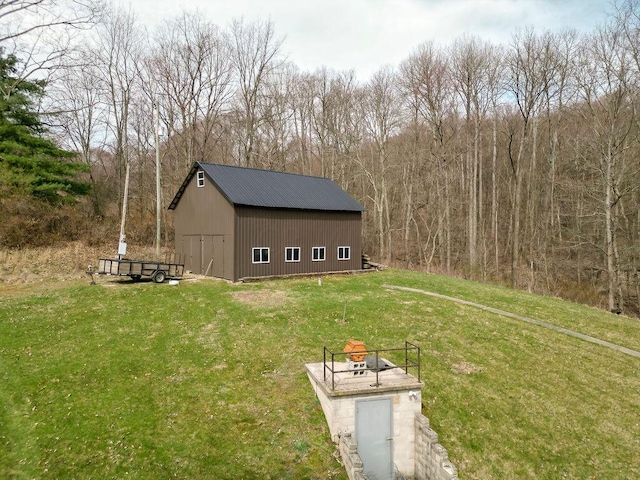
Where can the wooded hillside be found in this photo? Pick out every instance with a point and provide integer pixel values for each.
(515, 163)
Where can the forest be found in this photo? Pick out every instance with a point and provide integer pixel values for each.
(511, 163)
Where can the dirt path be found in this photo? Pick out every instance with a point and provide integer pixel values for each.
(571, 333)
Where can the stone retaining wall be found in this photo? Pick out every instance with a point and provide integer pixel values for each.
(431, 458)
(350, 457)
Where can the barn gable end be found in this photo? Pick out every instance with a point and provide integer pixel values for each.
(204, 228)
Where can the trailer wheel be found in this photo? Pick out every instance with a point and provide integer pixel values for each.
(159, 276)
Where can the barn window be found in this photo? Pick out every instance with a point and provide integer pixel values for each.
(318, 254)
(261, 255)
(344, 253)
(200, 178)
(292, 254)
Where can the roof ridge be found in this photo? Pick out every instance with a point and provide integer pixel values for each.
(263, 170)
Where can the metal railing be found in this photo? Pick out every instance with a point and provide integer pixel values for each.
(411, 361)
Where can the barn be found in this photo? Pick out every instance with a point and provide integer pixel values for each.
(236, 223)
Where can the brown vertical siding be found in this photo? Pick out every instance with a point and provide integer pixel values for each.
(208, 227)
(278, 229)
(204, 222)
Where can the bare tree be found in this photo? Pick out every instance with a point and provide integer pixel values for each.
(426, 74)
(558, 97)
(301, 104)
(604, 80)
(628, 19)
(78, 97)
(277, 129)
(337, 122)
(19, 18)
(473, 73)
(256, 56)
(413, 161)
(190, 78)
(323, 117)
(41, 33)
(530, 66)
(382, 120)
(495, 86)
(118, 52)
(325, 124)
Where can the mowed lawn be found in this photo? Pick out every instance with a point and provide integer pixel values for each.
(206, 379)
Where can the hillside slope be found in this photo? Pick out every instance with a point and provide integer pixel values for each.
(206, 379)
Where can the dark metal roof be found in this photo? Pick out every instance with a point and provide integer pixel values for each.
(266, 188)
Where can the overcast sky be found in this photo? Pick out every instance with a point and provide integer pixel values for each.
(365, 35)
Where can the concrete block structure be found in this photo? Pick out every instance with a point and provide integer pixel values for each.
(375, 416)
(349, 393)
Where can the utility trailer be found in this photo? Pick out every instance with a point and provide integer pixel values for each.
(136, 269)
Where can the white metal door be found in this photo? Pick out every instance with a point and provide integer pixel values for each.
(374, 434)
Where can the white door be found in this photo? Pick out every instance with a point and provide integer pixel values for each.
(374, 434)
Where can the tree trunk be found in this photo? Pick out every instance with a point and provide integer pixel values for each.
(494, 192)
(608, 197)
(517, 201)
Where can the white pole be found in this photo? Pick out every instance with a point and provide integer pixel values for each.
(158, 192)
(122, 245)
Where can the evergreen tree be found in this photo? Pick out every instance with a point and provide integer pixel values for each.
(30, 164)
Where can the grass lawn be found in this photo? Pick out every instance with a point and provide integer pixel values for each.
(207, 380)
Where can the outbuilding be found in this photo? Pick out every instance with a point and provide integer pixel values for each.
(236, 223)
